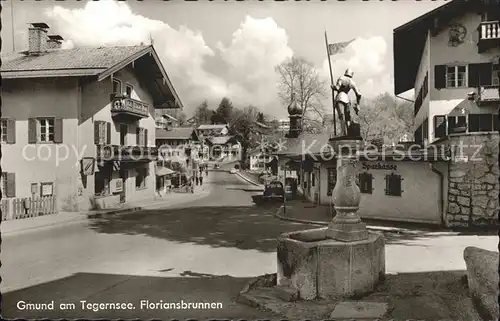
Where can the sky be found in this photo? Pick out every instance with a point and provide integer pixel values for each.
(222, 49)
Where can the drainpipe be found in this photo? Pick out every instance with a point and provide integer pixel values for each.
(441, 192)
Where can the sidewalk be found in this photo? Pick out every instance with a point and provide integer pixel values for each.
(249, 179)
(303, 211)
(11, 227)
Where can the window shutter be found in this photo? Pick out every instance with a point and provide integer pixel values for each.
(138, 136)
(439, 76)
(11, 131)
(496, 123)
(439, 126)
(108, 133)
(146, 137)
(485, 122)
(387, 185)
(369, 182)
(474, 74)
(11, 185)
(473, 123)
(32, 132)
(97, 131)
(485, 74)
(58, 130)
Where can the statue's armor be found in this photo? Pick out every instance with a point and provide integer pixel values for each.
(344, 85)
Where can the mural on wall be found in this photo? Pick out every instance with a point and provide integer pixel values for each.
(457, 35)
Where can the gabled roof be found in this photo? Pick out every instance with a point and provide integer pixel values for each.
(167, 116)
(176, 133)
(221, 140)
(218, 126)
(409, 40)
(313, 144)
(100, 62)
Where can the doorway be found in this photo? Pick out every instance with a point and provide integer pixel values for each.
(124, 176)
(123, 134)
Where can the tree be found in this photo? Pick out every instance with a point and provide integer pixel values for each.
(386, 118)
(225, 109)
(298, 76)
(243, 126)
(203, 114)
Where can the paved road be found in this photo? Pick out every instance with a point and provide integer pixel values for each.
(203, 251)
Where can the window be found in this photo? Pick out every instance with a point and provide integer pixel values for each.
(102, 179)
(123, 134)
(480, 123)
(8, 131)
(9, 184)
(102, 132)
(456, 76)
(365, 182)
(128, 90)
(496, 75)
(3, 128)
(117, 86)
(457, 124)
(45, 130)
(332, 179)
(393, 185)
(140, 177)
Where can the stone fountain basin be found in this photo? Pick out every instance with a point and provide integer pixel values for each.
(322, 268)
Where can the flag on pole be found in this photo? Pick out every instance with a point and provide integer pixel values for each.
(339, 47)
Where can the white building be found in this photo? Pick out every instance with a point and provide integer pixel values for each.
(443, 56)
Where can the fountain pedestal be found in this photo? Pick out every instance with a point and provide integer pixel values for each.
(342, 260)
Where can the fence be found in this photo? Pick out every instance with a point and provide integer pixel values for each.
(18, 208)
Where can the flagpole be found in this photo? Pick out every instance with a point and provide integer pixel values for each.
(331, 82)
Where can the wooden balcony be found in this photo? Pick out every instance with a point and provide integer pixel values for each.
(128, 108)
(489, 35)
(488, 95)
(126, 153)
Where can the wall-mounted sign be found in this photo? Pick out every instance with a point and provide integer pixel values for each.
(88, 165)
(34, 188)
(47, 189)
(388, 167)
(117, 185)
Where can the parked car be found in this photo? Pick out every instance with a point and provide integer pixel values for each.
(233, 170)
(216, 166)
(274, 191)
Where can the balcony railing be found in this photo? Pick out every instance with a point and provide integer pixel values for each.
(126, 153)
(489, 94)
(489, 35)
(125, 105)
(489, 30)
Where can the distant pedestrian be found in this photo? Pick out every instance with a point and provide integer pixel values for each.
(201, 180)
(197, 180)
(206, 170)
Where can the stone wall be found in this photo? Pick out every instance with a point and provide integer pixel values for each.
(473, 180)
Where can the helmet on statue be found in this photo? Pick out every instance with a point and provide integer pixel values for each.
(349, 73)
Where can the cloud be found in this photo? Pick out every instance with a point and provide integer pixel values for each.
(255, 48)
(366, 58)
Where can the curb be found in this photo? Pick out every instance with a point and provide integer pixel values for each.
(249, 180)
(114, 212)
(372, 227)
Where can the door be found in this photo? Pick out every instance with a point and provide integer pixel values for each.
(124, 176)
(123, 134)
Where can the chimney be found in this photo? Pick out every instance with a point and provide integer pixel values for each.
(37, 38)
(54, 42)
(295, 115)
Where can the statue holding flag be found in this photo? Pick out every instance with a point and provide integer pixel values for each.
(343, 86)
(341, 89)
